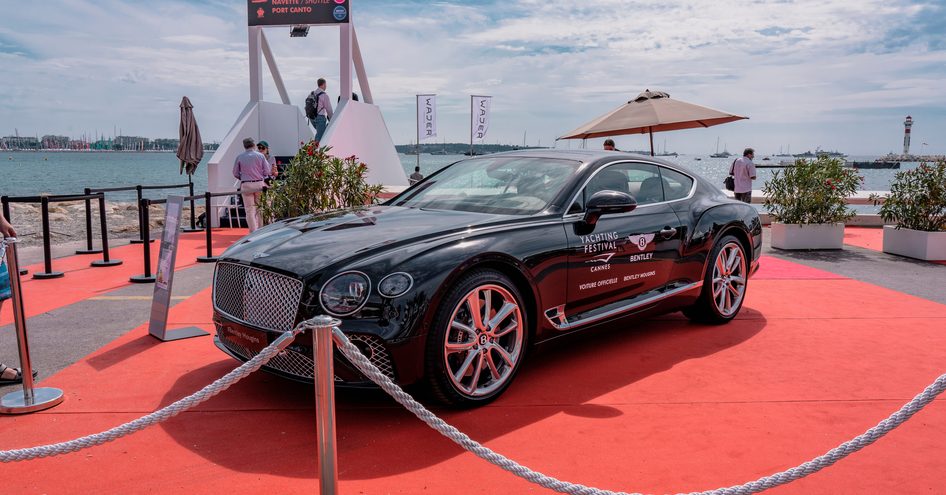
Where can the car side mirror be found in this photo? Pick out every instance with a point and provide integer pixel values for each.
(607, 202)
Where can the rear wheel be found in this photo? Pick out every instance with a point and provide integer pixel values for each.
(724, 285)
(478, 340)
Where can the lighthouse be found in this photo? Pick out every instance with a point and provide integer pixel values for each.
(907, 124)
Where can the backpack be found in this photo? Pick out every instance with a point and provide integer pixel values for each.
(730, 182)
(312, 105)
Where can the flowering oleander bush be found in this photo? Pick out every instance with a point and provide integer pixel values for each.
(315, 182)
(811, 192)
(917, 198)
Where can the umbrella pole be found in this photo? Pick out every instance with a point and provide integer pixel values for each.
(651, 129)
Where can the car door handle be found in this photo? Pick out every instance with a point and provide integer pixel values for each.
(668, 232)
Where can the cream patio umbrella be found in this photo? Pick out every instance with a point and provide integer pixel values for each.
(650, 112)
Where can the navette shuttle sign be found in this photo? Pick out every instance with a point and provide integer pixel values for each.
(295, 12)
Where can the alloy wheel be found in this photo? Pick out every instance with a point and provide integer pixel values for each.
(484, 341)
(729, 278)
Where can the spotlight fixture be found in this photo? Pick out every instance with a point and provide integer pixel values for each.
(300, 31)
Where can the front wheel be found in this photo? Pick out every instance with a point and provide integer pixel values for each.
(478, 340)
(724, 285)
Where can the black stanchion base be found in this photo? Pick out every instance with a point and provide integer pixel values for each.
(98, 263)
(43, 276)
(207, 259)
(188, 230)
(88, 251)
(139, 241)
(142, 279)
(24, 272)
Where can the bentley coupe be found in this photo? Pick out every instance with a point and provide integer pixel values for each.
(449, 283)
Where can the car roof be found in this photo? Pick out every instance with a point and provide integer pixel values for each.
(588, 156)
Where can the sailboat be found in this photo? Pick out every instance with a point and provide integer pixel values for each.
(724, 154)
(674, 153)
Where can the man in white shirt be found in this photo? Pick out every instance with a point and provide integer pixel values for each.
(743, 171)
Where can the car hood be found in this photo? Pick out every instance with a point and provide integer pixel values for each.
(309, 243)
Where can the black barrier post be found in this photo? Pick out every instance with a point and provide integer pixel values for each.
(190, 194)
(105, 261)
(208, 223)
(147, 278)
(47, 250)
(88, 227)
(141, 237)
(6, 214)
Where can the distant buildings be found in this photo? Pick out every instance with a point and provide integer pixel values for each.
(118, 143)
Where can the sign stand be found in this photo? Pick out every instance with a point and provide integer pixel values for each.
(161, 302)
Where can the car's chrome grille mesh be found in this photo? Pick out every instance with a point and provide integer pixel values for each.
(259, 298)
(297, 360)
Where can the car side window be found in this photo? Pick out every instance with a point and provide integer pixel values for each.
(640, 180)
(676, 185)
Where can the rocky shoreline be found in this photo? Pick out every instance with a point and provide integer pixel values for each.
(67, 221)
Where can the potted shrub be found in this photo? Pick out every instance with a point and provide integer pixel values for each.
(808, 203)
(316, 181)
(916, 205)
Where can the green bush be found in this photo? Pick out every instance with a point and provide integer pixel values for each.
(811, 192)
(315, 182)
(917, 199)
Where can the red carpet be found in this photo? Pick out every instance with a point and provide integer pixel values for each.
(867, 238)
(870, 239)
(82, 281)
(662, 406)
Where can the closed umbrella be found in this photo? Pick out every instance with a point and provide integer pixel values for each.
(650, 112)
(190, 150)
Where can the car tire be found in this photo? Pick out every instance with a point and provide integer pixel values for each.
(470, 360)
(724, 284)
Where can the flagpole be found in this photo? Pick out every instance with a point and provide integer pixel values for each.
(417, 125)
(471, 125)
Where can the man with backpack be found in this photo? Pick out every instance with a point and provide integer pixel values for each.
(318, 109)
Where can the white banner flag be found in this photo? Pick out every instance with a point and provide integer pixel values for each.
(426, 116)
(480, 118)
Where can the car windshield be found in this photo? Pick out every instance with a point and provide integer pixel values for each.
(501, 185)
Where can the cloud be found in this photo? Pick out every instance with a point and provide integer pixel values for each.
(805, 71)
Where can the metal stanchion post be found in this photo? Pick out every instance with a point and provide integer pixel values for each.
(144, 205)
(141, 219)
(103, 223)
(6, 214)
(208, 223)
(88, 227)
(47, 249)
(322, 351)
(190, 193)
(30, 399)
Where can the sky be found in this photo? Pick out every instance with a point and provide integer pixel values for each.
(839, 75)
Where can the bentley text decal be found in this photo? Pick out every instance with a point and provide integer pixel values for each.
(636, 276)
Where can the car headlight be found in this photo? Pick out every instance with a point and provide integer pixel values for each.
(395, 284)
(345, 293)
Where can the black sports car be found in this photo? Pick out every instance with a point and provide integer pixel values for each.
(449, 282)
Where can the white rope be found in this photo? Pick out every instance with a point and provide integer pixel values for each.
(834, 455)
(163, 414)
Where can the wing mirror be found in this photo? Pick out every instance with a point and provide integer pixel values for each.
(607, 202)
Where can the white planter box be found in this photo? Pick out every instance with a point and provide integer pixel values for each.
(929, 246)
(807, 236)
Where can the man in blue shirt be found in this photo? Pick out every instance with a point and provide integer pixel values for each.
(252, 169)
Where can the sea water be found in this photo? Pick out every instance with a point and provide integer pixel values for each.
(32, 173)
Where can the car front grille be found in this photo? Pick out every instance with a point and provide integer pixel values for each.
(297, 360)
(259, 298)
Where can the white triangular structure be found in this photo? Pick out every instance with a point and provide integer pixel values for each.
(357, 128)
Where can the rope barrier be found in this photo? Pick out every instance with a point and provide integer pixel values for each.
(834, 455)
(164, 414)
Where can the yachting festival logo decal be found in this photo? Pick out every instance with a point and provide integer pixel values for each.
(641, 241)
(601, 258)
